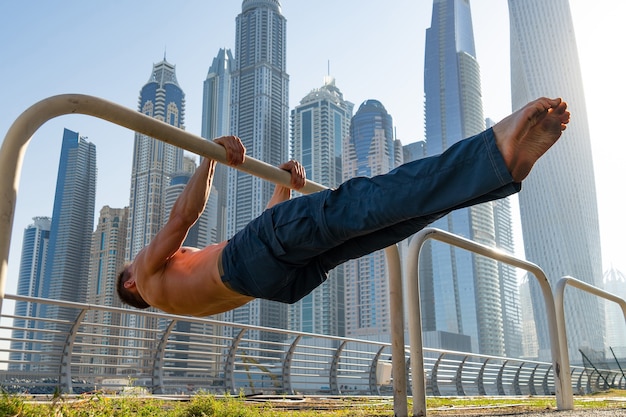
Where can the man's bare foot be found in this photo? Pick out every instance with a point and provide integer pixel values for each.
(524, 136)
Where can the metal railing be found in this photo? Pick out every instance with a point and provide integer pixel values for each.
(187, 355)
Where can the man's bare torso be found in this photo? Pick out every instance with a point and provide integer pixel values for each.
(189, 284)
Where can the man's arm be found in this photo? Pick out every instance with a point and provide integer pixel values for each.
(298, 179)
(188, 207)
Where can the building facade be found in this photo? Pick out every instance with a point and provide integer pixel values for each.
(462, 292)
(319, 124)
(154, 162)
(260, 117)
(29, 284)
(558, 203)
(70, 231)
(216, 107)
(369, 150)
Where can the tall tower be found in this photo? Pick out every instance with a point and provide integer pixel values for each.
(215, 123)
(260, 117)
(368, 150)
(153, 160)
(558, 204)
(108, 245)
(67, 263)
(464, 294)
(29, 284)
(318, 127)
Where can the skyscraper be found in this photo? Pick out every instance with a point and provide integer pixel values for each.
(67, 263)
(558, 201)
(318, 127)
(260, 117)
(29, 284)
(108, 246)
(463, 290)
(215, 123)
(153, 160)
(369, 150)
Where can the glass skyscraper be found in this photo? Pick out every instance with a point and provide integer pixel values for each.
(318, 127)
(67, 263)
(260, 117)
(215, 123)
(369, 150)
(29, 284)
(462, 292)
(153, 160)
(558, 204)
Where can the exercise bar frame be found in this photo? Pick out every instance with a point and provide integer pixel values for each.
(19, 134)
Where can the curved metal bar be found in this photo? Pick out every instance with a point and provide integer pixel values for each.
(559, 303)
(287, 366)
(334, 370)
(433, 377)
(544, 382)
(373, 383)
(481, 378)
(499, 382)
(159, 358)
(516, 385)
(531, 381)
(564, 398)
(229, 368)
(458, 378)
(65, 368)
(16, 141)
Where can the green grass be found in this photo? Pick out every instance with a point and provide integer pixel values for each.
(96, 405)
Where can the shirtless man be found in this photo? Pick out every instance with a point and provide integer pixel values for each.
(288, 250)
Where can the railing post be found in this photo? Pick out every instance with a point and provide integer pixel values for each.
(229, 367)
(499, 382)
(334, 370)
(287, 366)
(481, 378)
(159, 360)
(65, 368)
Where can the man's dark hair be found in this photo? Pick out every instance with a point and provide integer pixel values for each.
(127, 297)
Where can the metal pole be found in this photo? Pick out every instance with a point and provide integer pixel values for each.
(562, 381)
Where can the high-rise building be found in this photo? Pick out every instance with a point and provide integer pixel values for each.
(29, 284)
(318, 127)
(153, 160)
(462, 291)
(71, 226)
(260, 117)
(108, 246)
(369, 150)
(558, 204)
(215, 123)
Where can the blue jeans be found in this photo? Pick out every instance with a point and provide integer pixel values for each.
(287, 251)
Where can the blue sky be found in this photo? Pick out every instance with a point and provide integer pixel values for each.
(374, 50)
